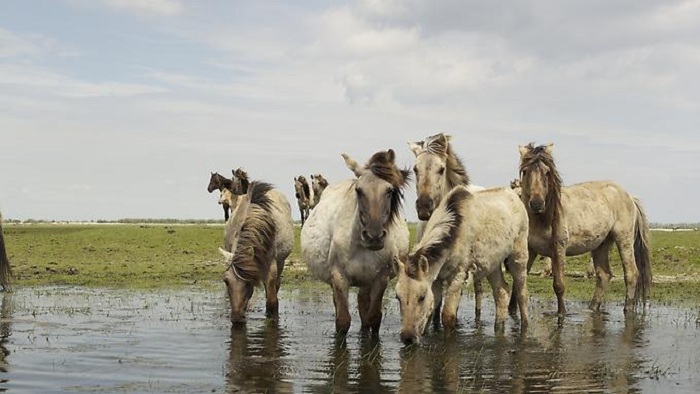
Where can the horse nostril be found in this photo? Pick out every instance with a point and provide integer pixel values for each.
(365, 234)
(383, 234)
(407, 339)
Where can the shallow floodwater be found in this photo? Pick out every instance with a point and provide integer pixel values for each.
(87, 340)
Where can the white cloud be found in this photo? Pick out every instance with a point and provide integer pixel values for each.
(160, 7)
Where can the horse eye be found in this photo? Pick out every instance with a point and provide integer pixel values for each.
(421, 299)
(441, 171)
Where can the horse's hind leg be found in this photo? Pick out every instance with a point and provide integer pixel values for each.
(500, 295)
(601, 266)
(517, 267)
(625, 245)
(271, 288)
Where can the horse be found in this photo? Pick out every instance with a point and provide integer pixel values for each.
(218, 181)
(467, 232)
(258, 237)
(354, 233)
(302, 192)
(438, 170)
(586, 217)
(5, 271)
(318, 185)
(240, 181)
(227, 197)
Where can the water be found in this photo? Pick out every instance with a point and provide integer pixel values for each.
(87, 340)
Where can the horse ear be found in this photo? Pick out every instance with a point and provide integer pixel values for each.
(312, 176)
(352, 165)
(523, 150)
(423, 266)
(548, 148)
(416, 147)
(228, 256)
(391, 155)
(397, 265)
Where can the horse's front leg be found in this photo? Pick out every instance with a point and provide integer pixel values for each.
(437, 294)
(558, 259)
(452, 297)
(374, 311)
(340, 287)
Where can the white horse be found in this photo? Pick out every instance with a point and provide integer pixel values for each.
(258, 237)
(438, 170)
(354, 233)
(465, 233)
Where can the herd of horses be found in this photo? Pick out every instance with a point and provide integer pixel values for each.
(354, 235)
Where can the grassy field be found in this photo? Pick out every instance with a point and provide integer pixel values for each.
(171, 255)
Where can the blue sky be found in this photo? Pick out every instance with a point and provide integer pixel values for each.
(121, 108)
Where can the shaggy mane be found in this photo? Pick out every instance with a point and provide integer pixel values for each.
(456, 174)
(382, 166)
(534, 156)
(441, 230)
(258, 231)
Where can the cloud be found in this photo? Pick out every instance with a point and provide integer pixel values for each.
(158, 7)
(13, 45)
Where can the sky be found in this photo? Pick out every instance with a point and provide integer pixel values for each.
(114, 109)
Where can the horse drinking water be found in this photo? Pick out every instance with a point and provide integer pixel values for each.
(586, 217)
(465, 233)
(257, 239)
(354, 233)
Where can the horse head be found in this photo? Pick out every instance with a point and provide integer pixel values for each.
(379, 194)
(539, 180)
(415, 295)
(437, 171)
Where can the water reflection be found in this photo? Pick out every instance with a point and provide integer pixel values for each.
(5, 332)
(256, 360)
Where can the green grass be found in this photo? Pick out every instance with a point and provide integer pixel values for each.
(170, 255)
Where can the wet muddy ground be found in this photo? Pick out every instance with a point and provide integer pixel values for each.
(88, 340)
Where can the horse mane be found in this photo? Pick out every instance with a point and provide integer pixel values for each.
(539, 154)
(258, 232)
(242, 176)
(439, 144)
(381, 164)
(442, 232)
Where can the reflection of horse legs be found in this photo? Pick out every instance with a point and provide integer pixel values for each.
(373, 314)
(452, 297)
(603, 273)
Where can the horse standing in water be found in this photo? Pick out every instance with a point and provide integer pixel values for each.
(438, 170)
(257, 239)
(302, 192)
(318, 185)
(465, 233)
(586, 217)
(352, 236)
(5, 271)
(218, 181)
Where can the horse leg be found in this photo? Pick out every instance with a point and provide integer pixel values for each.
(301, 214)
(517, 265)
(225, 212)
(532, 255)
(363, 303)
(437, 294)
(558, 277)
(374, 312)
(625, 245)
(478, 292)
(500, 296)
(271, 288)
(601, 267)
(340, 288)
(452, 297)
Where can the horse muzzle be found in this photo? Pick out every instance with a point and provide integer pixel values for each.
(537, 206)
(424, 207)
(409, 338)
(372, 241)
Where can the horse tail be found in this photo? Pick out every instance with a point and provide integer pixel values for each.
(5, 271)
(641, 251)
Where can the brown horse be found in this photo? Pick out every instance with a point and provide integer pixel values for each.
(5, 271)
(586, 217)
(302, 192)
(219, 182)
(257, 240)
(318, 185)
